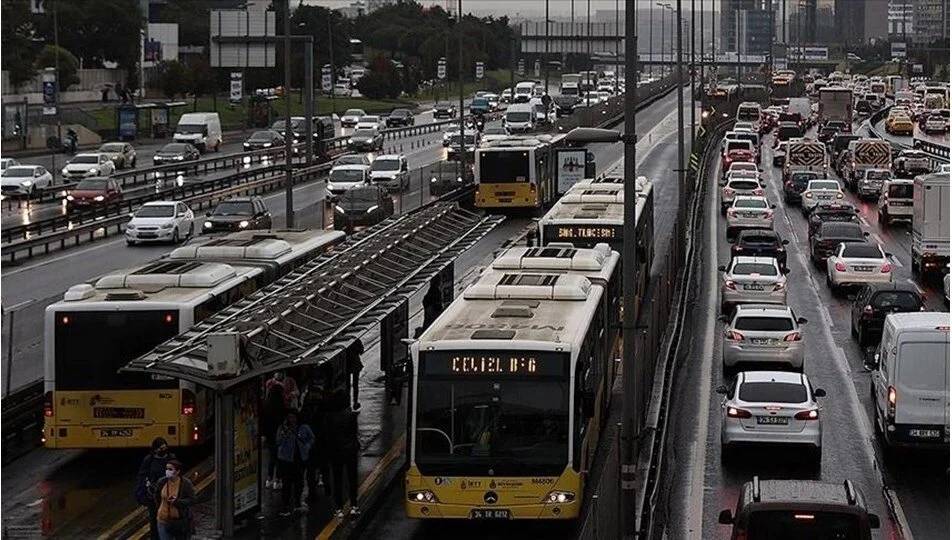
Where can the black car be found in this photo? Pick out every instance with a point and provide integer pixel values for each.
(863, 108)
(365, 140)
(174, 153)
(400, 118)
(796, 184)
(263, 139)
(834, 212)
(876, 300)
(444, 110)
(786, 131)
(760, 243)
(362, 206)
(826, 134)
(238, 214)
(831, 234)
(564, 105)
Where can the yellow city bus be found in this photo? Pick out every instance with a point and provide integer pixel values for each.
(100, 326)
(510, 386)
(516, 173)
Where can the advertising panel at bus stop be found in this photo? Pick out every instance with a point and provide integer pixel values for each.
(571, 170)
(247, 450)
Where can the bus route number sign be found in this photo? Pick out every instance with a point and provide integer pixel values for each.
(587, 232)
(492, 364)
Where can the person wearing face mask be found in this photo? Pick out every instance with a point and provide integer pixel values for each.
(174, 495)
(150, 472)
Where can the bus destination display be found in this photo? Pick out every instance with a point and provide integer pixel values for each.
(583, 232)
(498, 363)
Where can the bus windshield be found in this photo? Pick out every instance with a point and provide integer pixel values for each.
(503, 418)
(504, 167)
(91, 347)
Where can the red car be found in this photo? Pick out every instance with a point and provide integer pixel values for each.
(732, 156)
(93, 192)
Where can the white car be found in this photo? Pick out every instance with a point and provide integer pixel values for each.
(749, 212)
(739, 187)
(351, 117)
(343, 89)
(371, 121)
(853, 263)
(344, 177)
(160, 221)
(88, 165)
(757, 280)
(390, 171)
(24, 179)
(744, 126)
(771, 408)
(817, 191)
(895, 201)
(744, 166)
(7, 162)
(493, 133)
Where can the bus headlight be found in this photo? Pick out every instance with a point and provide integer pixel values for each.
(422, 496)
(559, 497)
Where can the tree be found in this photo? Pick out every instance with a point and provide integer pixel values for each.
(381, 80)
(68, 65)
(173, 78)
(200, 79)
(18, 50)
(97, 31)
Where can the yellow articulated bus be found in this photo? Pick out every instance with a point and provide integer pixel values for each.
(509, 388)
(516, 173)
(100, 326)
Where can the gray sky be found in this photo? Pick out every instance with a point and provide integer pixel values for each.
(530, 8)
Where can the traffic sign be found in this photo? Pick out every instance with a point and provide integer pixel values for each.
(537, 69)
(327, 82)
(234, 95)
(479, 70)
(441, 69)
(521, 70)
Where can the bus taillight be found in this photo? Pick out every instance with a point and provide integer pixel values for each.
(195, 433)
(188, 402)
(48, 404)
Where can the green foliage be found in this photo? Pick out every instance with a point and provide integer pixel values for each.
(68, 65)
(200, 79)
(18, 52)
(381, 80)
(97, 31)
(173, 78)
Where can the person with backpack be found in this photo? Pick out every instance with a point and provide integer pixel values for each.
(150, 472)
(174, 496)
(294, 440)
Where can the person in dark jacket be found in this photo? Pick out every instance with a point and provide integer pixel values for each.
(271, 418)
(294, 441)
(345, 447)
(150, 472)
(174, 496)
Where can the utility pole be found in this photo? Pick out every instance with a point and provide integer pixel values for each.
(682, 193)
(651, 39)
(546, 63)
(693, 80)
(56, 99)
(330, 52)
(737, 39)
(714, 64)
(288, 173)
(462, 124)
(662, 39)
(617, 75)
(701, 42)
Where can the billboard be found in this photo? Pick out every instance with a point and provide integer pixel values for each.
(235, 24)
(571, 168)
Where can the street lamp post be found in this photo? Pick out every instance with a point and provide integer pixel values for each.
(288, 173)
(546, 63)
(659, 4)
(651, 40)
(462, 124)
(693, 80)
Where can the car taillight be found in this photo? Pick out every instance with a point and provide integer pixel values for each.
(868, 310)
(779, 286)
(188, 402)
(734, 335)
(793, 336)
(768, 214)
(48, 404)
(808, 195)
(728, 191)
(734, 412)
(759, 191)
(891, 398)
(812, 414)
(730, 284)
(840, 267)
(885, 268)
(839, 195)
(731, 212)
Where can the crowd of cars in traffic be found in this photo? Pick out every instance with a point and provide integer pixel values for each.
(768, 399)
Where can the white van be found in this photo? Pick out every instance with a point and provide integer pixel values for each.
(520, 118)
(524, 91)
(202, 130)
(540, 110)
(910, 382)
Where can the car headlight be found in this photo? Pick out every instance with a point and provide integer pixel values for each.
(268, 145)
(350, 141)
(92, 172)
(372, 208)
(26, 183)
(207, 225)
(166, 226)
(99, 198)
(130, 226)
(70, 198)
(178, 158)
(557, 497)
(339, 208)
(423, 496)
(243, 224)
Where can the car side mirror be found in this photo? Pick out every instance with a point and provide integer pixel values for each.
(873, 521)
(785, 271)
(802, 320)
(721, 389)
(866, 233)
(208, 214)
(872, 358)
(722, 268)
(773, 206)
(725, 518)
(785, 242)
(819, 392)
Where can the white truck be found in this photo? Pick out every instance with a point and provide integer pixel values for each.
(836, 103)
(930, 223)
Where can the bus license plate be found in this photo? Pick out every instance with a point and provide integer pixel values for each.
(111, 433)
(924, 433)
(488, 513)
(773, 420)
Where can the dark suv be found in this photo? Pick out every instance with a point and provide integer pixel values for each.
(760, 243)
(876, 300)
(830, 235)
(794, 509)
(831, 212)
(400, 118)
(238, 214)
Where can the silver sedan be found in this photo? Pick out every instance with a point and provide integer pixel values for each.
(749, 213)
(772, 408)
(752, 280)
(760, 334)
(855, 263)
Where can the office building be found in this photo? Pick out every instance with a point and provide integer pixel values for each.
(900, 17)
(930, 21)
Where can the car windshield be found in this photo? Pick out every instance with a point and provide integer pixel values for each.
(191, 129)
(750, 203)
(92, 185)
(400, 112)
(354, 112)
(785, 133)
(385, 165)
(18, 172)
(803, 178)
(364, 133)
(354, 159)
(84, 160)
(900, 300)
(825, 184)
(862, 251)
(758, 239)
(747, 269)
(495, 131)
(738, 145)
(480, 102)
(265, 136)
(763, 324)
(111, 147)
(742, 184)
(877, 175)
(444, 106)
(369, 119)
(913, 155)
(772, 392)
(234, 208)
(360, 196)
(518, 117)
(842, 230)
(347, 175)
(790, 525)
(750, 167)
(900, 191)
(173, 149)
(155, 211)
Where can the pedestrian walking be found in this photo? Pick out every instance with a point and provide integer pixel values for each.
(345, 447)
(174, 497)
(273, 414)
(294, 441)
(150, 472)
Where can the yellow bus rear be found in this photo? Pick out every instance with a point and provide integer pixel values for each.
(509, 195)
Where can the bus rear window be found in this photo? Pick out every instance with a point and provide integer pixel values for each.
(797, 524)
(503, 167)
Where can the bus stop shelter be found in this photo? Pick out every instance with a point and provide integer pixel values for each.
(156, 123)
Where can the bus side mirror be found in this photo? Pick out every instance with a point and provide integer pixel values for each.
(873, 521)
(725, 518)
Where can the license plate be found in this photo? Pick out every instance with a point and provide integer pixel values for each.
(863, 268)
(900, 203)
(924, 433)
(824, 197)
(753, 287)
(118, 412)
(489, 513)
(773, 420)
(148, 235)
(762, 341)
(109, 433)
(750, 214)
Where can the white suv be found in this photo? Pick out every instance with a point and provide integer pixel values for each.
(344, 177)
(817, 191)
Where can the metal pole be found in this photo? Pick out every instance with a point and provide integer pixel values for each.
(330, 52)
(701, 42)
(632, 368)
(289, 184)
(588, 74)
(650, 39)
(546, 62)
(714, 66)
(617, 75)
(512, 72)
(309, 100)
(693, 80)
(737, 39)
(59, 115)
(225, 463)
(682, 195)
(662, 39)
(462, 124)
